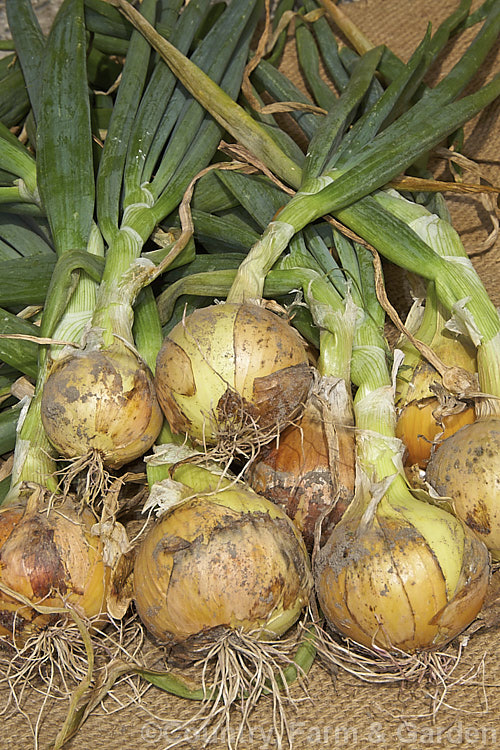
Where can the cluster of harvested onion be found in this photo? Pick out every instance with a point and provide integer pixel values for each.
(331, 182)
(224, 570)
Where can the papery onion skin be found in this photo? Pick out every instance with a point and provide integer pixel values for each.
(228, 363)
(382, 585)
(101, 401)
(206, 565)
(53, 559)
(309, 471)
(466, 468)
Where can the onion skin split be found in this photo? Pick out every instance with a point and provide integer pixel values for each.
(427, 413)
(230, 365)
(381, 584)
(422, 433)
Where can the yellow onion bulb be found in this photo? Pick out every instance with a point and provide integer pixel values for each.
(422, 431)
(101, 401)
(309, 471)
(232, 560)
(466, 468)
(424, 420)
(53, 559)
(229, 365)
(409, 579)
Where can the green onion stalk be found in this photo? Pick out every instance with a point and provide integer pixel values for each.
(398, 574)
(122, 419)
(428, 411)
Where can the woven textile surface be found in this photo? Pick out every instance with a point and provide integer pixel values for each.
(341, 710)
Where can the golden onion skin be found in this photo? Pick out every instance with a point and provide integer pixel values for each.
(382, 585)
(52, 559)
(101, 401)
(466, 469)
(420, 431)
(228, 363)
(423, 422)
(205, 565)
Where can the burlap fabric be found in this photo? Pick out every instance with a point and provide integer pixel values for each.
(343, 711)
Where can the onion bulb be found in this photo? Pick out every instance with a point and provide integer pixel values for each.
(466, 469)
(51, 558)
(225, 560)
(230, 366)
(103, 401)
(400, 575)
(427, 412)
(309, 470)
(423, 425)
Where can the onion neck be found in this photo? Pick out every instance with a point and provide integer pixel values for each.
(488, 365)
(34, 455)
(125, 274)
(298, 212)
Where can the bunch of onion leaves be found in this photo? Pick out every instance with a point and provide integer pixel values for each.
(54, 573)
(398, 575)
(220, 579)
(158, 139)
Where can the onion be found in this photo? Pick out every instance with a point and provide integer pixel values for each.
(52, 558)
(227, 560)
(309, 470)
(101, 401)
(466, 469)
(422, 426)
(229, 366)
(429, 411)
(401, 574)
